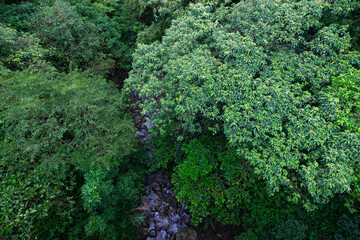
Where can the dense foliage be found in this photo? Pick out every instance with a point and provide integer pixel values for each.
(255, 106)
(64, 155)
(257, 75)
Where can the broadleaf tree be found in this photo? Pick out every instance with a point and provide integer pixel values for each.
(255, 72)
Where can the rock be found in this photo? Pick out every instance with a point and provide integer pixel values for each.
(163, 223)
(167, 211)
(162, 235)
(158, 202)
(186, 234)
(167, 200)
(152, 226)
(159, 193)
(186, 218)
(173, 229)
(142, 132)
(174, 203)
(175, 218)
(166, 216)
(155, 186)
(152, 233)
(157, 208)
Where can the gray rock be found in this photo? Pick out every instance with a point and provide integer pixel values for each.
(173, 229)
(157, 208)
(185, 218)
(152, 233)
(158, 202)
(164, 222)
(186, 234)
(162, 235)
(142, 132)
(155, 186)
(150, 154)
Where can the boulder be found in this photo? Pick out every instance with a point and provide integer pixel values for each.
(186, 234)
(152, 233)
(162, 235)
(158, 202)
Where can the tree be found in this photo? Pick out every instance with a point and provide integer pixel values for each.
(74, 41)
(21, 50)
(118, 27)
(255, 73)
(65, 169)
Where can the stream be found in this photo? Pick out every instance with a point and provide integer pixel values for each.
(166, 218)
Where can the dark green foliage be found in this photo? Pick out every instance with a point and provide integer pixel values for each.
(255, 106)
(349, 225)
(17, 16)
(117, 26)
(290, 229)
(62, 133)
(73, 41)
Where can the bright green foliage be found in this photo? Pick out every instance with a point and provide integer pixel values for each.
(219, 185)
(342, 7)
(64, 165)
(163, 12)
(254, 72)
(18, 50)
(105, 6)
(346, 90)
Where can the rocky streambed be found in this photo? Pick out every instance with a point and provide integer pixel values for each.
(166, 218)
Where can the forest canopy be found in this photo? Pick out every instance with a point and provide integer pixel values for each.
(254, 105)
